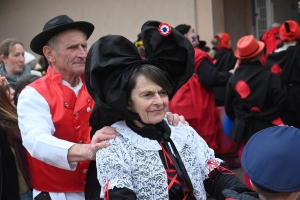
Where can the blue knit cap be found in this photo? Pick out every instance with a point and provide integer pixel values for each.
(271, 159)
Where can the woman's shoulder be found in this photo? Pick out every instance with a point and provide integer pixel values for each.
(181, 128)
(132, 139)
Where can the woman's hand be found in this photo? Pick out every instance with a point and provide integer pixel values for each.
(173, 119)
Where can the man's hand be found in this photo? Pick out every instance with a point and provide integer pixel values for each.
(98, 140)
(82, 152)
(173, 119)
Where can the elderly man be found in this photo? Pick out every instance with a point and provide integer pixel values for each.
(54, 113)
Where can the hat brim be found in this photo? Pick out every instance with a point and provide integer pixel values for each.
(40, 40)
(261, 46)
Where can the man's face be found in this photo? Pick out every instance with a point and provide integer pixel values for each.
(70, 53)
(191, 35)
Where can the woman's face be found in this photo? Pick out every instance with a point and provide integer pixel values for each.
(10, 92)
(10, 95)
(6, 89)
(14, 62)
(191, 35)
(149, 100)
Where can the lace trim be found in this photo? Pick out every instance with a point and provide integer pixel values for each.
(133, 162)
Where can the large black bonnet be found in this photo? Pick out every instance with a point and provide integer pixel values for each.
(112, 59)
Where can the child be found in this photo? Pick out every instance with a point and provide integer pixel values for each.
(270, 159)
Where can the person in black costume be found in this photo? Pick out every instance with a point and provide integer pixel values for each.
(285, 62)
(260, 162)
(224, 61)
(255, 97)
(150, 159)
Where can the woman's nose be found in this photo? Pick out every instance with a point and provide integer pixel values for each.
(22, 58)
(158, 98)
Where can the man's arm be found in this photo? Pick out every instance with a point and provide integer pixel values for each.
(81, 152)
(37, 129)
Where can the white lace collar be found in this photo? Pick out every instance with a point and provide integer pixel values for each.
(145, 143)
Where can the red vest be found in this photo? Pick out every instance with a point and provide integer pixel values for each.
(70, 115)
(197, 104)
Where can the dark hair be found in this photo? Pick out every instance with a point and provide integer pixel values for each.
(153, 73)
(21, 84)
(8, 112)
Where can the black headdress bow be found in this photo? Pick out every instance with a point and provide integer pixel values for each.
(112, 59)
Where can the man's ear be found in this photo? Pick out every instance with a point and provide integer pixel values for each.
(48, 53)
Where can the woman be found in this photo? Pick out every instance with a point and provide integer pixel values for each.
(150, 159)
(254, 97)
(14, 170)
(12, 57)
(284, 62)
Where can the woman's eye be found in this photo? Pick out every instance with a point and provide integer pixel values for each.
(163, 93)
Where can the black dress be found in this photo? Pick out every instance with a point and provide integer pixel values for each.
(286, 64)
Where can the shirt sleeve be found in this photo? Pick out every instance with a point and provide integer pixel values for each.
(113, 169)
(37, 129)
(209, 76)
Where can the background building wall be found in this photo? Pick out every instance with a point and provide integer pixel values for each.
(238, 19)
(218, 16)
(25, 19)
(204, 20)
(285, 10)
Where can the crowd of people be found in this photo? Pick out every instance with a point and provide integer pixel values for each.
(123, 120)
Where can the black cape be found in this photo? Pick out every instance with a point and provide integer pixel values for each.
(263, 104)
(289, 62)
(225, 61)
(286, 64)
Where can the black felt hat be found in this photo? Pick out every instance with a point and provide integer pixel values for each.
(56, 25)
(183, 28)
(112, 59)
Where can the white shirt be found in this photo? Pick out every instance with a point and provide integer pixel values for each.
(37, 129)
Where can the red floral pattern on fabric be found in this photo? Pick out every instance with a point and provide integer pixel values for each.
(278, 122)
(212, 165)
(243, 89)
(255, 109)
(106, 192)
(276, 69)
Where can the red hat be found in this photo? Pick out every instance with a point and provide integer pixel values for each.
(248, 47)
(224, 39)
(289, 31)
